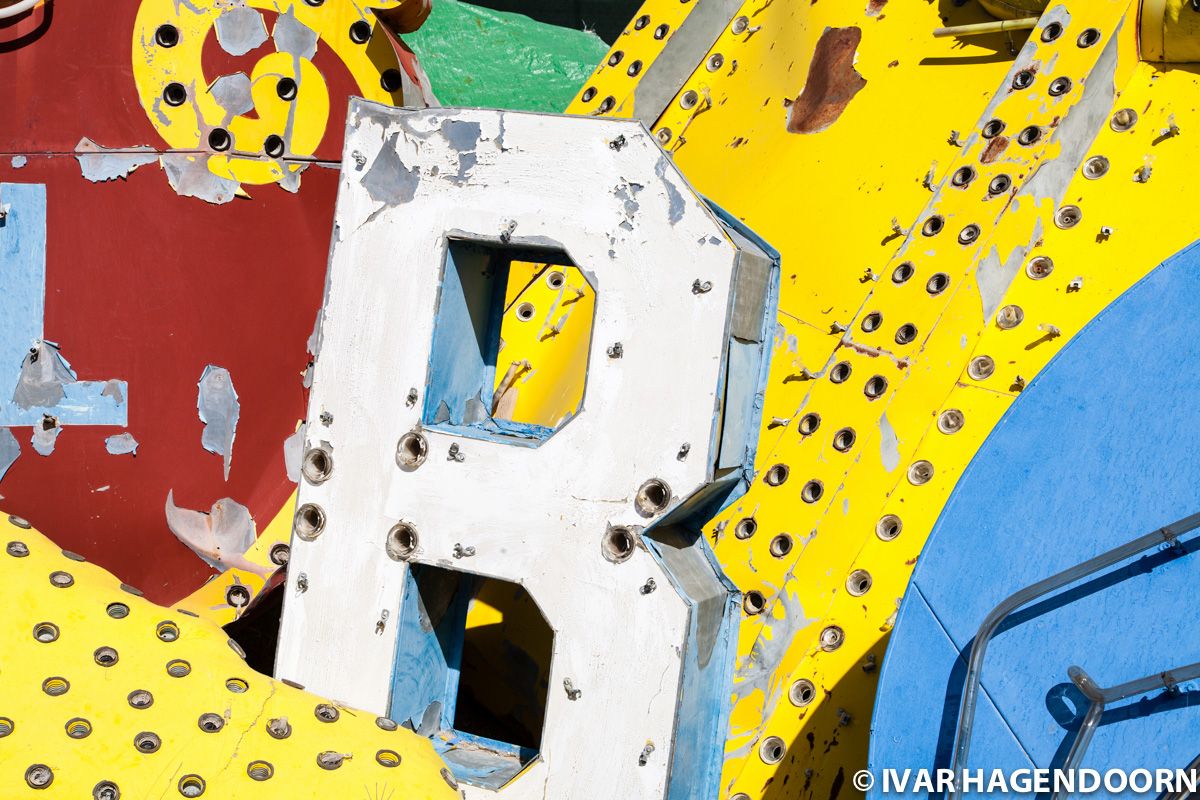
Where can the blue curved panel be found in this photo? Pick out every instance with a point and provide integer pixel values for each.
(1102, 447)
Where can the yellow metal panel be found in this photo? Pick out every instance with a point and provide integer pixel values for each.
(101, 685)
(301, 121)
(544, 339)
(844, 206)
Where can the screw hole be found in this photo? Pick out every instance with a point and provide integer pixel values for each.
(105, 656)
(999, 185)
(840, 372)
(45, 632)
(832, 638)
(237, 685)
(652, 497)
(888, 527)
(589, 94)
(906, 333)
(391, 81)
(388, 758)
(920, 473)
(260, 770)
(1023, 79)
(933, 226)
(781, 545)
(78, 728)
(1060, 86)
(772, 750)
(210, 722)
(61, 580)
(140, 698)
(661, 31)
(981, 368)
(273, 145)
(219, 139)
(525, 312)
(754, 602)
(237, 596)
(55, 687)
(776, 475)
(178, 668)
(191, 786)
(745, 528)
(317, 465)
(937, 283)
(286, 88)
(360, 32)
(118, 610)
(903, 272)
(812, 491)
(402, 541)
(1088, 38)
(872, 321)
(858, 583)
(174, 94)
(963, 176)
(641, 22)
(1039, 267)
(147, 742)
(166, 36)
(1029, 135)
(843, 440)
(809, 424)
(802, 692)
(607, 104)
(411, 451)
(39, 776)
(617, 545)
(993, 128)
(968, 234)
(951, 421)
(310, 522)
(326, 712)
(1052, 31)
(281, 553)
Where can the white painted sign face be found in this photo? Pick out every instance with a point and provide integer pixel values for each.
(398, 434)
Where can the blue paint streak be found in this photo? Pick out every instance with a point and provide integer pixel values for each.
(1091, 455)
(22, 317)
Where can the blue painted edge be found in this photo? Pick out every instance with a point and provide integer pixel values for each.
(22, 318)
(704, 702)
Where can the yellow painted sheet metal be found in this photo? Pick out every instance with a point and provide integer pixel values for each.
(869, 422)
(544, 339)
(168, 43)
(104, 694)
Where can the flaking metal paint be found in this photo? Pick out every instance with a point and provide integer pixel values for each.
(872, 199)
(472, 175)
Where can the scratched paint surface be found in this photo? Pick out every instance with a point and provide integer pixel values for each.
(846, 205)
(148, 287)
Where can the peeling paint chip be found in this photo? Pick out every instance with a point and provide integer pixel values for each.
(832, 82)
(100, 164)
(45, 434)
(240, 30)
(122, 444)
(10, 449)
(44, 372)
(219, 409)
(293, 450)
(220, 537)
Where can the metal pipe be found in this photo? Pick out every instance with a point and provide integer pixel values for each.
(17, 8)
(981, 28)
(1101, 697)
(966, 720)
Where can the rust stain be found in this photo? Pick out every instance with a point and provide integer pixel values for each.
(832, 82)
(994, 148)
(875, 6)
